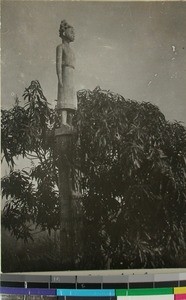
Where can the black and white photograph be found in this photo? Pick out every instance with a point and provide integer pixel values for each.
(93, 135)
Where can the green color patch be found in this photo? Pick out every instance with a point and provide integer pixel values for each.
(141, 292)
(121, 292)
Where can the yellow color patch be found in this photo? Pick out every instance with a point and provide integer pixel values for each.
(180, 290)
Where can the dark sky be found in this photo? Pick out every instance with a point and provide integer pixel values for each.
(137, 49)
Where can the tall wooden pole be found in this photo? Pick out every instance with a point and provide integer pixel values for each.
(64, 136)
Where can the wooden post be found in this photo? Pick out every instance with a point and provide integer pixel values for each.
(64, 136)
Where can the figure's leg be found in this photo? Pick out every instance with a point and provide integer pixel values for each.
(64, 117)
(70, 117)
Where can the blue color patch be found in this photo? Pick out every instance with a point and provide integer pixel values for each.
(86, 292)
(29, 291)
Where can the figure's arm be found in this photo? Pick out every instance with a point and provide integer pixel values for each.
(59, 56)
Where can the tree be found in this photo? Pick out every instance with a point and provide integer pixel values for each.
(133, 162)
(129, 165)
(32, 194)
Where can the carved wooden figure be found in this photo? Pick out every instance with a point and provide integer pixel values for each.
(65, 66)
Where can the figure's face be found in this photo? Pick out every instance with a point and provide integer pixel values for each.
(69, 34)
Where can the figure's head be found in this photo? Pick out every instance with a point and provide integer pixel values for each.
(66, 31)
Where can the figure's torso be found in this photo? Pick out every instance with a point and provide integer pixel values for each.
(68, 58)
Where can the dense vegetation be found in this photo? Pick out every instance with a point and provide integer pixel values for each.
(129, 164)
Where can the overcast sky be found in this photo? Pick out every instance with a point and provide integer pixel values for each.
(137, 49)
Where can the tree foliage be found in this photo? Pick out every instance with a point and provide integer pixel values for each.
(131, 163)
(32, 195)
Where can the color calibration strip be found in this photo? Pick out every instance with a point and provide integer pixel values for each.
(178, 293)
